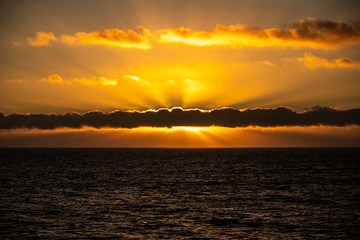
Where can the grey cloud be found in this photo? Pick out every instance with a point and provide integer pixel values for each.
(225, 117)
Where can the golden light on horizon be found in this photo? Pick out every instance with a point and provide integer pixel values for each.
(186, 128)
(184, 137)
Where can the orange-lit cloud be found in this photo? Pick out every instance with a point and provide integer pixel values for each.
(112, 37)
(311, 32)
(137, 79)
(53, 79)
(266, 62)
(56, 79)
(42, 39)
(312, 61)
(16, 43)
(96, 81)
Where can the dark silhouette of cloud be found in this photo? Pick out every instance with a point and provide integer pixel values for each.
(327, 31)
(225, 117)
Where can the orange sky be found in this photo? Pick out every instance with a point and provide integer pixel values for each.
(65, 56)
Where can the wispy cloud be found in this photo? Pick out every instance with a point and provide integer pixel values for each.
(53, 79)
(57, 79)
(313, 62)
(132, 77)
(112, 37)
(137, 79)
(42, 39)
(94, 80)
(17, 43)
(311, 32)
(266, 62)
(226, 117)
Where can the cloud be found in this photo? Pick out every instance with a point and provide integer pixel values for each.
(42, 39)
(53, 79)
(96, 81)
(16, 43)
(312, 61)
(112, 37)
(311, 32)
(137, 79)
(225, 117)
(99, 80)
(56, 79)
(132, 77)
(266, 62)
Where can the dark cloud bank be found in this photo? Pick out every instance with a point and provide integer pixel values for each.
(325, 31)
(226, 117)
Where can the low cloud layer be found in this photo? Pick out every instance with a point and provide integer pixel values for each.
(311, 32)
(226, 117)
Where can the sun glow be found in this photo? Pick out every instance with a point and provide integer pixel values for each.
(183, 137)
(191, 129)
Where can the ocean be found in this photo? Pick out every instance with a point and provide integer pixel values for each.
(300, 193)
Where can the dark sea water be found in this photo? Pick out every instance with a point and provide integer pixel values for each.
(180, 193)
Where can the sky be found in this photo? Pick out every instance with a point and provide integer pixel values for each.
(291, 69)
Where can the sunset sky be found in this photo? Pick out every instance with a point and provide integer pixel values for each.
(61, 57)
